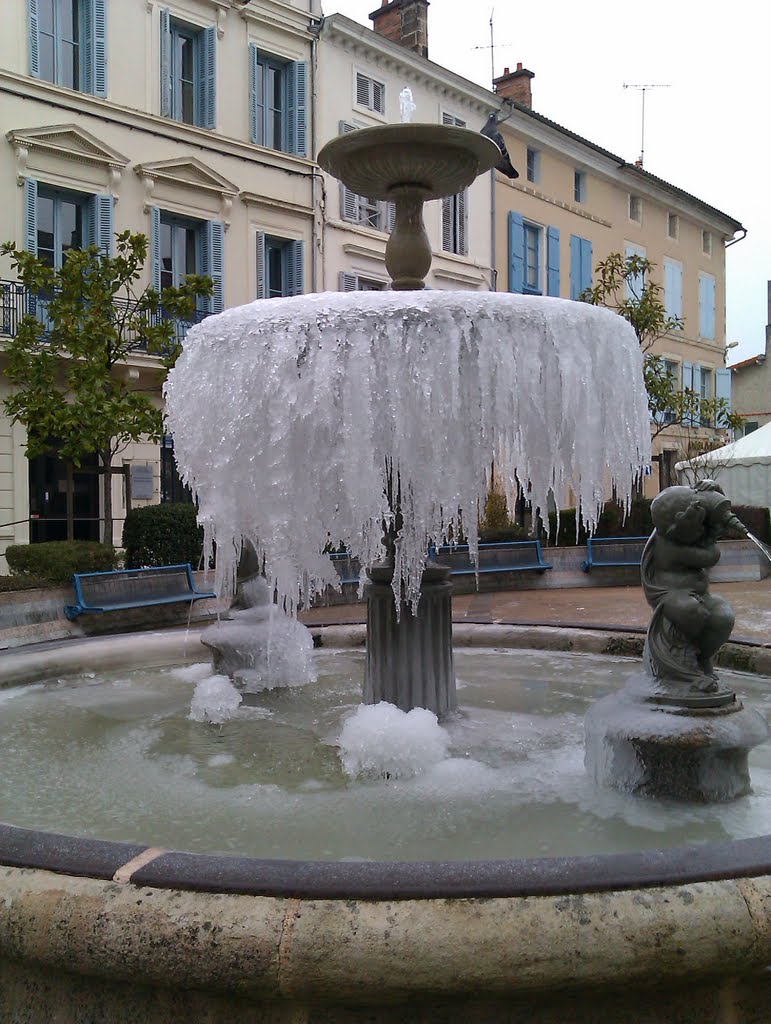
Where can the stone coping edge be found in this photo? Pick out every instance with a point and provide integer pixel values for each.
(371, 880)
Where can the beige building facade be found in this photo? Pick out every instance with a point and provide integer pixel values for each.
(365, 79)
(190, 121)
(751, 382)
(574, 204)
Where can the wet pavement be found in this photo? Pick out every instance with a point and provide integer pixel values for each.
(622, 608)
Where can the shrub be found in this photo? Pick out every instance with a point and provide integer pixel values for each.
(611, 523)
(56, 560)
(166, 534)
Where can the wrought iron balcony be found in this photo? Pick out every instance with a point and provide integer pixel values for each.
(16, 302)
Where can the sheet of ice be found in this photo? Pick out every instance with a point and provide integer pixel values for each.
(285, 412)
(215, 700)
(381, 741)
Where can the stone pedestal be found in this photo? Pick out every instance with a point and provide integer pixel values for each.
(409, 659)
(639, 742)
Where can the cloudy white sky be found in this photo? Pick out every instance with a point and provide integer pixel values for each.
(709, 132)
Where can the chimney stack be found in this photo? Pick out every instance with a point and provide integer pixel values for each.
(515, 85)
(404, 22)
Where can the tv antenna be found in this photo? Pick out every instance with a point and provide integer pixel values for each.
(643, 89)
(491, 47)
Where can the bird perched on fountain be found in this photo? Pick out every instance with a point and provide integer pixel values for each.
(490, 129)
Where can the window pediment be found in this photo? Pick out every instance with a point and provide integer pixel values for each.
(187, 173)
(64, 141)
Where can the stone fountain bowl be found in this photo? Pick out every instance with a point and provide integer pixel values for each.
(121, 932)
(440, 159)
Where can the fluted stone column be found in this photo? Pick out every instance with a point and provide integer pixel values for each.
(409, 660)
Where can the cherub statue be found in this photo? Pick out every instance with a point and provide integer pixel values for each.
(689, 624)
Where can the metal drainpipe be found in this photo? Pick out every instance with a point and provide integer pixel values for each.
(493, 236)
(316, 240)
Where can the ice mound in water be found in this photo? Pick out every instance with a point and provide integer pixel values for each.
(260, 647)
(215, 701)
(381, 741)
(284, 413)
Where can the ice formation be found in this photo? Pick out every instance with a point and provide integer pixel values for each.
(380, 741)
(285, 413)
(215, 700)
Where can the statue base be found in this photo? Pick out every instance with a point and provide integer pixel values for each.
(409, 659)
(643, 741)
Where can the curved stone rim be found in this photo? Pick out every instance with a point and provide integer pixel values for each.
(381, 880)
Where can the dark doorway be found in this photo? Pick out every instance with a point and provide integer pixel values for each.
(48, 499)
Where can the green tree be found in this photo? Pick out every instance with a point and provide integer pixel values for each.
(66, 363)
(625, 284)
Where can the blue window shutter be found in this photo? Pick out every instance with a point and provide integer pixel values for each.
(687, 386)
(347, 282)
(166, 110)
(262, 267)
(586, 264)
(296, 267)
(155, 246)
(723, 389)
(256, 105)
(575, 266)
(30, 215)
(297, 83)
(516, 252)
(99, 84)
(462, 201)
(679, 289)
(553, 261)
(207, 78)
(707, 306)
(86, 32)
(34, 39)
(100, 231)
(215, 246)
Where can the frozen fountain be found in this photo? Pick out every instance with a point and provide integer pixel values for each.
(372, 418)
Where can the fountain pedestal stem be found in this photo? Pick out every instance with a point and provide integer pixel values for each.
(409, 659)
(408, 253)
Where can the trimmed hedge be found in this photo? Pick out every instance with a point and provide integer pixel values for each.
(57, 560)
(611, 523)
(166, 534)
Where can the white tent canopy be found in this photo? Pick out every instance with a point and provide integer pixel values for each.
(742, 468)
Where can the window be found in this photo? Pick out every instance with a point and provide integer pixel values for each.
(672, 371)
(369, 213)
(182, 246)
(534, 257)
(580, 265)
(673, 226)
(68, 43)
(579, 186)
(706, 243)
(533, 165)
(278, 103)
(707, 306)
(370, 94)
(750, 426)
(57, 221)
(188, 72)
(706, 392)
(673, 288)
(454, 209)
(358, 283)
(280, 266)
(634, 285)
(635, 209)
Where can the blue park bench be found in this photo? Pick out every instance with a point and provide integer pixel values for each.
(612, 551)
(508, 556)
(133, 588)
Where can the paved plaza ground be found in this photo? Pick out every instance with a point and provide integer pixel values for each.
(623, 608)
